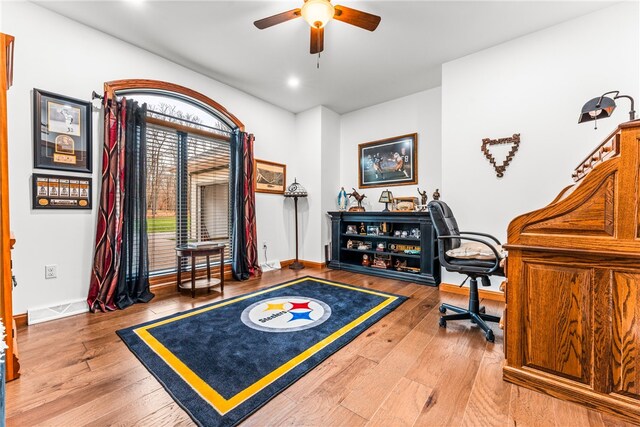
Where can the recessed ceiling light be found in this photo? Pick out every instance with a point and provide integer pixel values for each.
(293, 82)
(136, 3)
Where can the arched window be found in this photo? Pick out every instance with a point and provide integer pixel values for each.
(188, 158)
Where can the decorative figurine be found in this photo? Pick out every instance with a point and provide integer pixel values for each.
(423, 201)
(362, 229)
(436, 195)
(365, 260)
(399, 265)
(359, 198)
(349, 244)
(381, 261)
(343, 200)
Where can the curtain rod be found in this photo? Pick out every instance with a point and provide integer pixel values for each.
(95, 95)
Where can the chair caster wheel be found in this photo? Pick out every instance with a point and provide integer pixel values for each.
(482, 310)
(442, 323)
(472, 321)
(490, 336)
(443, 309)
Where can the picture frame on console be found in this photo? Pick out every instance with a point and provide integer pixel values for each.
(62, 138)
(388, 162)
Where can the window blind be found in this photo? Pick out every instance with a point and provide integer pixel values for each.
(187, 194)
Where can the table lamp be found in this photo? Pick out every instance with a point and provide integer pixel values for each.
(386, 197)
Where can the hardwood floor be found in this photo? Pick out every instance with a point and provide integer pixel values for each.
(402, 371)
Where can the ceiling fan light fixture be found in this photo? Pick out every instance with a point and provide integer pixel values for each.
(317, 12)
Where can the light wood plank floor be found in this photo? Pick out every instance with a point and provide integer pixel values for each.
(402, 371)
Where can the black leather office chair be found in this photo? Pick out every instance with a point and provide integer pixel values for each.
(450, 237)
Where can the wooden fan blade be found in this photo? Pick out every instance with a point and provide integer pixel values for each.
(356, 17)
(317, 40)
(277, 19)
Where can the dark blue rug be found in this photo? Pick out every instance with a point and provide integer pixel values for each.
(223, 361)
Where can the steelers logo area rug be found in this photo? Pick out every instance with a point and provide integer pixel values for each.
(223, 361)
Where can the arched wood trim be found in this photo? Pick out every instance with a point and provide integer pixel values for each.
(130, 84)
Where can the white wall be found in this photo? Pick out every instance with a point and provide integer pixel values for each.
(307, 170)
(419, 113)
(331, 162)
(75, 62)
(535, 86)
(318, 169)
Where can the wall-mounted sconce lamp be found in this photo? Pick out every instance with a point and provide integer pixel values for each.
(602, 107)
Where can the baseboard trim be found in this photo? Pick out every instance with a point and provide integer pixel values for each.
(167, 284)
(461, 290)
(20, 319)
(307, 264)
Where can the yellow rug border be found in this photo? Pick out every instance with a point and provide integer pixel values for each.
(210, 395)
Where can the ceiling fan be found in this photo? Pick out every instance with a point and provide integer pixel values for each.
(317, 13)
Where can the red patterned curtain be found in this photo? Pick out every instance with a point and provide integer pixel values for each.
(251, 240)
(106, 261)
(244, 262)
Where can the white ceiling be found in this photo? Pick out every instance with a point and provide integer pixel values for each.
(357, 69)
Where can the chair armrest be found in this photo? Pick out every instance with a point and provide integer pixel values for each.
(471, 268)
(481, 234)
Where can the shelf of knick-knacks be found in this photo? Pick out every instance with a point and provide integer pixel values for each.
(400, 245)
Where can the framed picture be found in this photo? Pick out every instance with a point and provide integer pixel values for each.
(404, 204)
(269, 177)
(365, 246)
(353, 244)
(61, 132)
(373, 230)
(61, 192)
(388, 162)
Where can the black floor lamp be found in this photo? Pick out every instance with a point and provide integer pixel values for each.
(296, 190)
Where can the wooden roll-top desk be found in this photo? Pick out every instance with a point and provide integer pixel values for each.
(573, 285)
(6, 239)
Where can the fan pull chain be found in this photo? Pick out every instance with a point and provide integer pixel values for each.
(318, 62)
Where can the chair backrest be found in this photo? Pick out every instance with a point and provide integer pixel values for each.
(444, 223)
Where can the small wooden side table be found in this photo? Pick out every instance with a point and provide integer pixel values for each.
(193, 253)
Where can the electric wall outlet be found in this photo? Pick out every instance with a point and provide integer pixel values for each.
(50, 271)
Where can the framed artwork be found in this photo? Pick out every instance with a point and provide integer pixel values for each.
(269, 177)
(373, 230)
(61, 192)
(404, 204)
(388, 162)
(61, 132)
